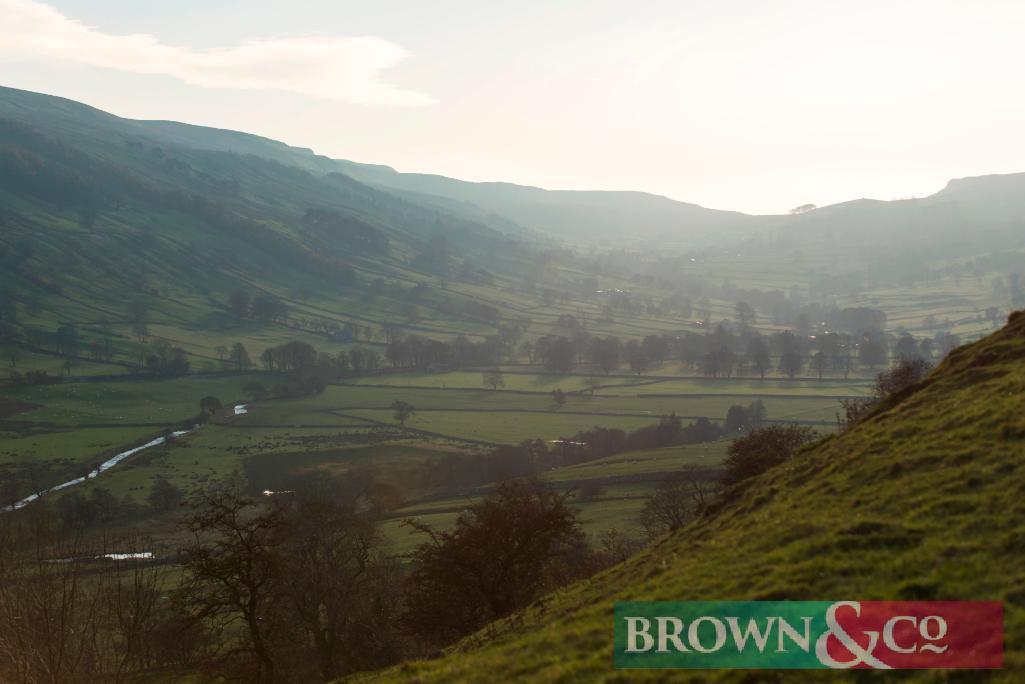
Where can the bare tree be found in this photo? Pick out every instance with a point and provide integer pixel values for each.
(230, 567)
(903, 375)
(335, 584)
(69, 612)
(675, 502)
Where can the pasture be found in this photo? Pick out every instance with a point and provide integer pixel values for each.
(140, 400)
(66, 427)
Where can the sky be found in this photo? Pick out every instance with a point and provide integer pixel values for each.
(733, 104)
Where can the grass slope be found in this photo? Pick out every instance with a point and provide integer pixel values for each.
(925, 500)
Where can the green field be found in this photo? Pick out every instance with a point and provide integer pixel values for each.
(504, 428)
(73, 445)
(617, 507)
(56, 433)
(351, 399)
(68, 429)
(827, 388)
(130, 401)
(216, 452)
(648, 462)
(527, 382)
(614, 503)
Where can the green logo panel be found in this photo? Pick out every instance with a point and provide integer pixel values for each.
(718, 634)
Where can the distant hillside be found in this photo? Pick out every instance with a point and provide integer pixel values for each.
(1001, 197)
(594, 216)
(102, 216)
(969, 214)
(616, 218)
(228, 154)
(94, 128)
(924, 500)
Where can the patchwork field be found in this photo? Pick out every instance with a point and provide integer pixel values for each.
(56, 431)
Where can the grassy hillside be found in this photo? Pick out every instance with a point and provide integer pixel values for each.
(924, 500)
(570, 215)
(107, 221)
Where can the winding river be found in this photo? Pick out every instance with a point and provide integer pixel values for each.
(239, 410)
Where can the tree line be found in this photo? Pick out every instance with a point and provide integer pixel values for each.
(725, 352)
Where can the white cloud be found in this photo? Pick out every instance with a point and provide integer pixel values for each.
(327, 67)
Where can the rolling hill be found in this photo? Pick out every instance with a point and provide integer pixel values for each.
(922, 501)
(102, 217)
(108, 223)
(967, 216)
(969, 213)
(594, 216)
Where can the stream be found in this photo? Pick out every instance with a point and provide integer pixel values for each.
(103, 467)
(134, 555)
(239, 410)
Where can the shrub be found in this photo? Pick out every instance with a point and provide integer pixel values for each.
(889, 384)
(762, 449)
(902, 375)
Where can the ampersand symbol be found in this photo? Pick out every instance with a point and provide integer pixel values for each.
(859, 655)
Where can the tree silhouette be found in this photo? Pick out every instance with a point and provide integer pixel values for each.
(401, 411)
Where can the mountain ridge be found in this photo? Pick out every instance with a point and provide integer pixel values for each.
(610, 218)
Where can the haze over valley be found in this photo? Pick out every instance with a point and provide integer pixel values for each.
(268, 415)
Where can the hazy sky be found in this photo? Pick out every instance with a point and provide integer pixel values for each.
(752, 105)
